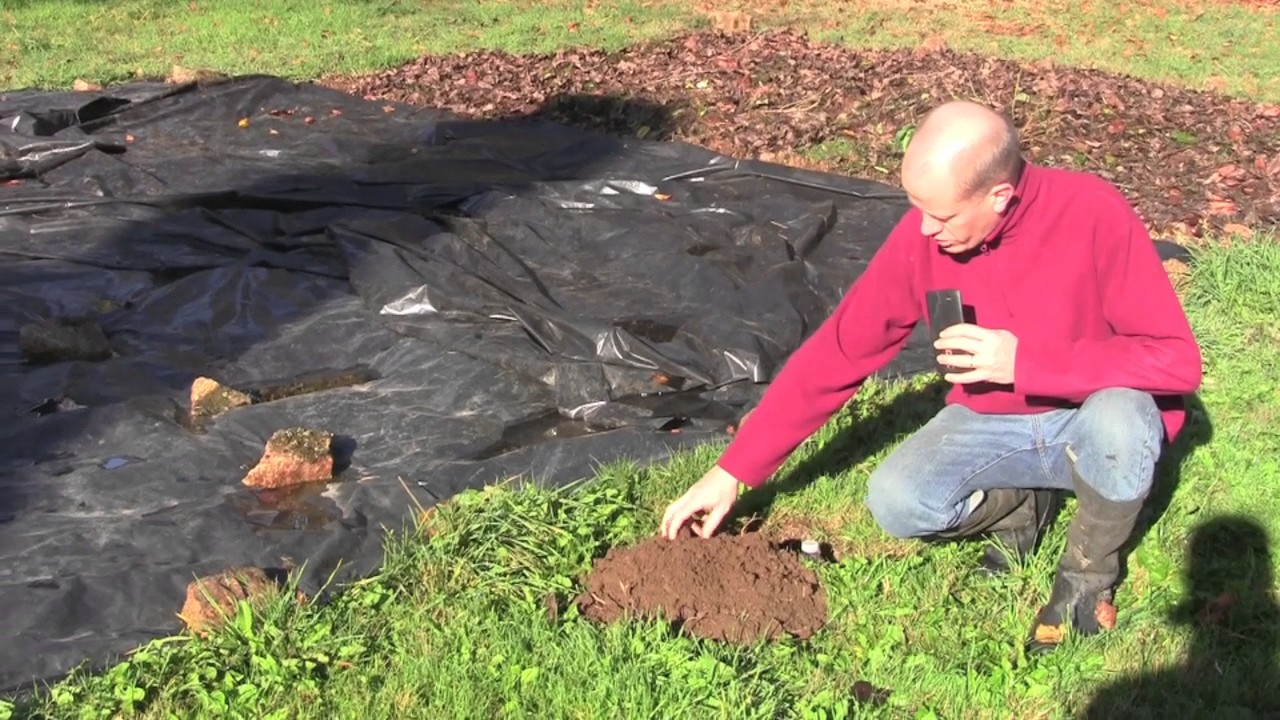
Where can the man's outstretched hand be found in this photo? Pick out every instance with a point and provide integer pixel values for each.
(714, 495)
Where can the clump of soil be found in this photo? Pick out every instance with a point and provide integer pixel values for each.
(213, 598)
(310, 382)
(61, 340)
(729, 588)
(293, 456)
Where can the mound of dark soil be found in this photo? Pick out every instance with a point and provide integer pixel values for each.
(1187, 159)
(730, 588)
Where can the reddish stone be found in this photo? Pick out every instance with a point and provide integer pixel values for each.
(293, 456)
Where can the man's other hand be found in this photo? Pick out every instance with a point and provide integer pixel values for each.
(986, 355)
(714, 495)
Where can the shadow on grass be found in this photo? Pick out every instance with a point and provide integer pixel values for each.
(907, 412)
(1197, 431)
(911, 409)
(1230, 669)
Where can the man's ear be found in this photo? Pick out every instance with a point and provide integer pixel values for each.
(1001, 195)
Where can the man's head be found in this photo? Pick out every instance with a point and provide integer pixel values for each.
(960, 171)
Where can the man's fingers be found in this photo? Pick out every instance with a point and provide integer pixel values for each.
(674, 517)
(964, 378)
(962, 343)
(712, 521)
(964, 330)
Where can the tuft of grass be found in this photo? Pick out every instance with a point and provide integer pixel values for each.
(458, 624)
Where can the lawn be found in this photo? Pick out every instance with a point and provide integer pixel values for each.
(456, 624)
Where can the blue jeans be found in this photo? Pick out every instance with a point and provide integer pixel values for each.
(1114, 439)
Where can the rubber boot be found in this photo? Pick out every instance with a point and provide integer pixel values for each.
(1015, 517)
(1087, 571)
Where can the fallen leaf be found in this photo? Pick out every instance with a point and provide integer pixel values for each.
(128, 138)
(1237, 229)
(308, 120)
(84, 86)
(661, 196)
(388, 108)
(1222, 206)
(335, 112)
(273, 131)
(244, 122)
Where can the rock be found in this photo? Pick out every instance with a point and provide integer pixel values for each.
(63, 340)
(210, 398)
(293, 456)
(213, 598)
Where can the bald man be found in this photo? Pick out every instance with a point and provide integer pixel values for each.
(1070, 376)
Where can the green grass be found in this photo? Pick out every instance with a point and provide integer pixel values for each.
(456, 625)
(46, 43)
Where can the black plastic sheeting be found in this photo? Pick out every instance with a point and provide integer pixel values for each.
(531, 302)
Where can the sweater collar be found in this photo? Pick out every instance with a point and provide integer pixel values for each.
(1024, 194)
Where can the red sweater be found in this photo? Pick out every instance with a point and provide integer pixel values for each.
(1070, 270)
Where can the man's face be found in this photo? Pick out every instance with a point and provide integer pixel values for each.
(957, 223)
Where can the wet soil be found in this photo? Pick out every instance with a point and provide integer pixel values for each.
(63, 339)
(737, 589)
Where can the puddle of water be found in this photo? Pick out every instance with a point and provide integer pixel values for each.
(115, 463)
(302, 507)
(538, 429)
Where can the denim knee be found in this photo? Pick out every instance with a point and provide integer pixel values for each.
(896, 505)
(1116, 441)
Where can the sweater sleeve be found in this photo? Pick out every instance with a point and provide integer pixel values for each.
(868, 327)
(1151, 346)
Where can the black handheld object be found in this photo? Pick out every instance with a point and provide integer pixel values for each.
(945, 310)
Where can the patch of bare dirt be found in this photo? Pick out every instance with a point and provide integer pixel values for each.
(730, 588)
(1189, 160)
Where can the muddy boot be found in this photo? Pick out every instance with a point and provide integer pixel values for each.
(1087, 571)
(1016, 518)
